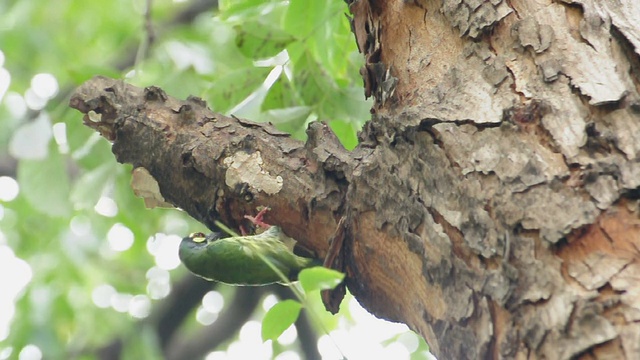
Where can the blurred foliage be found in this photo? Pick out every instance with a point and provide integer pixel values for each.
(287, 62)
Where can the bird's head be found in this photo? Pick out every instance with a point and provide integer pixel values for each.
(196, 241)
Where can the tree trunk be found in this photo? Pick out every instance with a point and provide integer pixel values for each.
(492, 203)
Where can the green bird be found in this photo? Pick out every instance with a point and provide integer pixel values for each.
(242, 260)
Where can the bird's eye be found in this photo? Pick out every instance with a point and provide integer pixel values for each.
(197, 237)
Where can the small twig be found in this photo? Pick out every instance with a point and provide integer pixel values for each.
(149, 37)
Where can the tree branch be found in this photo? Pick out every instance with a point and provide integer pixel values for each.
(218, 167)
(171, 312)
(226, 326)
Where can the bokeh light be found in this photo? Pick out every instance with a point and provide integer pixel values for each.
(164, 248)
(15, 274)
(120, 237)
(30, 352)
(9, 188)
(106, 207)
(213, 301)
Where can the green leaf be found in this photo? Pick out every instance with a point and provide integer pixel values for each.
(88, 188)
(45, 184)
(292, 119)
(345, 132)
(319, 278)
(305, 17)
(279, 318)
(235, 86)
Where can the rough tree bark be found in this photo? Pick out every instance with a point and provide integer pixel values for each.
(492, 203)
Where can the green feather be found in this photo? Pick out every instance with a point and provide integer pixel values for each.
(240, 260)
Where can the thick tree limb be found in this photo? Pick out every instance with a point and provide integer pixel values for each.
(514, 124)
(217, 167)
(471, 260)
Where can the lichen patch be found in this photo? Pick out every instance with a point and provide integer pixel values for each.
(244, 168)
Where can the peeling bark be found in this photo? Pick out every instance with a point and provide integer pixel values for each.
(492, 203)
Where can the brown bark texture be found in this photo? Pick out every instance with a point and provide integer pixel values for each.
(492, 202)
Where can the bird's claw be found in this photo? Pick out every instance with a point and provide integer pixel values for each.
(258, 219)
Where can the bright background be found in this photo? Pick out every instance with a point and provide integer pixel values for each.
(83, 265)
